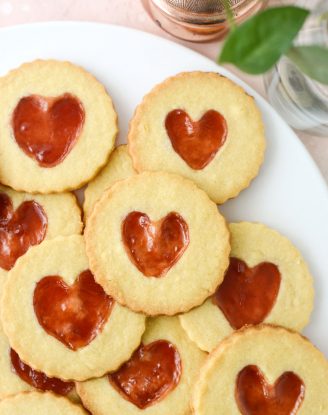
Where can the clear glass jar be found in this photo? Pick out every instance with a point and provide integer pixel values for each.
(301, 101)
(198, 20)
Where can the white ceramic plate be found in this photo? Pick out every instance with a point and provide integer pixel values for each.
(289, 194)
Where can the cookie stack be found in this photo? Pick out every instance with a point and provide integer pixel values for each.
(154, 304)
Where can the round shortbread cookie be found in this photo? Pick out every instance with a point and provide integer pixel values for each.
(263, 370)
(267, 281)
(37, 403)
(18, 377)
(27, 220)
(69, 328)
(157, 243)
(159, 383)
(57, 127)
(119, 167)
(203, 126)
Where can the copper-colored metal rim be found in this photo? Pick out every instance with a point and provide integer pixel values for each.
(194, 27)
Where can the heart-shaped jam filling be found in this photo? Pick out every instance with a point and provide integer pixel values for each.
(74, 314)
(247, 295)
(255, 396)
(154, 247)
(152, 372)
(38, 379)
(46, 129)
(19, 229)
(196, 142)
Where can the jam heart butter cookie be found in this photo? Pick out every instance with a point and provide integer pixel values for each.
(119, 167)
(267, 281)
(19, 377)
(57, 127)
(157, 380)
(203, 126)
(263, 370)
(27, 220)
(157, 243)
(34, 403)
(70, 328)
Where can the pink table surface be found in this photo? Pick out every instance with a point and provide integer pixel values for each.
(131, 13)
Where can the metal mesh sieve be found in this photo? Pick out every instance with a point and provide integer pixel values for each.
(199, 20)
(198, 6)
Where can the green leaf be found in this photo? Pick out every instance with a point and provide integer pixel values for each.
(312, 60)
(256, 45)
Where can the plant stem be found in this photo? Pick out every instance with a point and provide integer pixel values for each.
(229, 13)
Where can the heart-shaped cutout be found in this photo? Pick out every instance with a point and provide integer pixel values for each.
(19, 229)
(255, 396)
(154, 247)
(38, 379)
(247, 295)
(46, 129)
(196, 142)
(74, 314)
(152, 372)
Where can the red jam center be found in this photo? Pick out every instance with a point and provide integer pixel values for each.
(38, 379)
(196, 142)
(255, 396)
(154, 247)
(46, 129)
(19, 229)
(247, 295)
(152, 372)
(74, 314)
